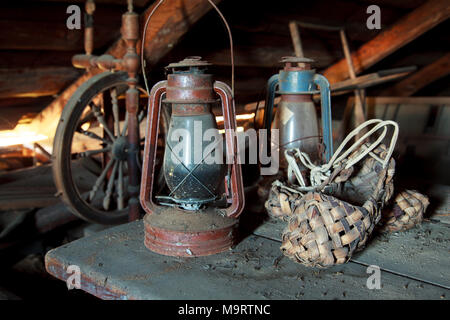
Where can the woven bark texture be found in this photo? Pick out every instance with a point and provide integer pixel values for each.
(326, 227)
(406, 212)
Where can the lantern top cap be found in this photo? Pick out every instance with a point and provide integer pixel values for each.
(193, 61)
(296, 60)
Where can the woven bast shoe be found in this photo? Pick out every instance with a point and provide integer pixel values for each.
(326, 229)
(333, 216)
(406, 212)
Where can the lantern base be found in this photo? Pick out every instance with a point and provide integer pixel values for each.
(180, 233)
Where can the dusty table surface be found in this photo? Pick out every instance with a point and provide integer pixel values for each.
(421, 253)
(114, 264)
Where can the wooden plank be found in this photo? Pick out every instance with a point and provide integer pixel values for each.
(420, 79)
(11, 59)
(34, 35)
(34, 187)
(408, 28)
(420, 253)
(136, 3)
(42, 26)
(38, 82)
(252, 270)
(27, 188)
(440, 202)
(52, 217)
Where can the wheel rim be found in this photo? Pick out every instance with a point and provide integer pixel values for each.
(93, 136)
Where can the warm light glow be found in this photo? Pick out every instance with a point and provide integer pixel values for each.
(85, 126)
(15, 137)
(245, 116)
(238, 129)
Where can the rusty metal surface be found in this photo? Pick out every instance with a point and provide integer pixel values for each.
(193, 61)
(175, 232)
(115, 264)
(150, 148)
(296, 63)
(229, 114)
(296, 60)
(190, 88)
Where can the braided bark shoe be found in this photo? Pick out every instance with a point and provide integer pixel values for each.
(326, 228)
(406, 212)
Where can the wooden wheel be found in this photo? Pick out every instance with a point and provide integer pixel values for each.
(90, 149)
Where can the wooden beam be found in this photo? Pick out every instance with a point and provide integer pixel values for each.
(264, 56)
(370, 80)
(420, 79)
(20, 59)
(168, 25)
(408, 28)
(383, 100)
(42, 26)
(37, 35)
(136, 3)
(37, 82)
(13, 109)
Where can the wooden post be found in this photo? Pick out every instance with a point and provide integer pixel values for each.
(359, 93)
(296, 40)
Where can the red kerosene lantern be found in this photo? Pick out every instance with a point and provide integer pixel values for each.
(199, 215)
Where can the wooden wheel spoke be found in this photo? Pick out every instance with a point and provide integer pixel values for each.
(125, 125)
(101, 119)
(89, 153)
(115, 111)
(88, 117)
(92, 135)
(141, 116)
(100, 179)
(109, 188)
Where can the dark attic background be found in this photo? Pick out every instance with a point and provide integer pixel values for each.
(407, 63)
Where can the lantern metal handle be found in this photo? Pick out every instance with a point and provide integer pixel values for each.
(325, 107)
(229, 36)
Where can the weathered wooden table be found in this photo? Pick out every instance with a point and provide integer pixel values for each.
(114, 264)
